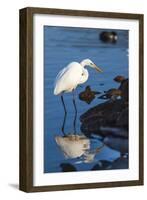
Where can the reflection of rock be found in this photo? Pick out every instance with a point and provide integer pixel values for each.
(66, 167)
(88, 95)
(120, 163)
(102, 165)
(73, 146)
(118, 132)
(117, 143)
(109, 37)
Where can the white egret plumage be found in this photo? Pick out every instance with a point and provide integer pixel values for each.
(71, 76)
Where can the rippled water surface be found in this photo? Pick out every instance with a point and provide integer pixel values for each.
(61, 46)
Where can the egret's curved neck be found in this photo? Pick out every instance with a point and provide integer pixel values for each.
(82, 63)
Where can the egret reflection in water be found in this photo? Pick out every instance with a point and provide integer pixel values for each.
(76, 146)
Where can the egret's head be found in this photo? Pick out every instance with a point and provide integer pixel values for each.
(88, 62)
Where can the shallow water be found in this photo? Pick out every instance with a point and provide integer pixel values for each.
(61, 46)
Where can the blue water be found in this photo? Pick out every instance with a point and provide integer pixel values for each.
(61, 46)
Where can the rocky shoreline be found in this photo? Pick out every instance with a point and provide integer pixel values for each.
(109, 120)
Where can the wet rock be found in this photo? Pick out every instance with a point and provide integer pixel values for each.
(104, 114)
(88, 95)
(66, 167)
(117, 143)
(112, 113)
(123, 119)
(108, 37)
(124, 87)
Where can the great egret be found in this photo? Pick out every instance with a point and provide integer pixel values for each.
(71, 76)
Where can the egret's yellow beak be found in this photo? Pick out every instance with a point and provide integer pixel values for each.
(97, 68)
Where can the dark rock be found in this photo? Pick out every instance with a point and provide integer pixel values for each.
(66, 167)
(112, 113)
(123, 119)
(124, 87)
(105, 114)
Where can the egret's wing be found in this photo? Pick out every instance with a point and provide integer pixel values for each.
(60, 74)
(68, 77)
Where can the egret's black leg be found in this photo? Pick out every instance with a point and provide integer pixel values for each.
(75, 118)
(63, 125)
(63, 104)
(74, 101)
(65, 113)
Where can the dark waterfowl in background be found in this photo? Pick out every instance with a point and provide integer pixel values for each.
(112, 94)
(124, 87)
(108, 37)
